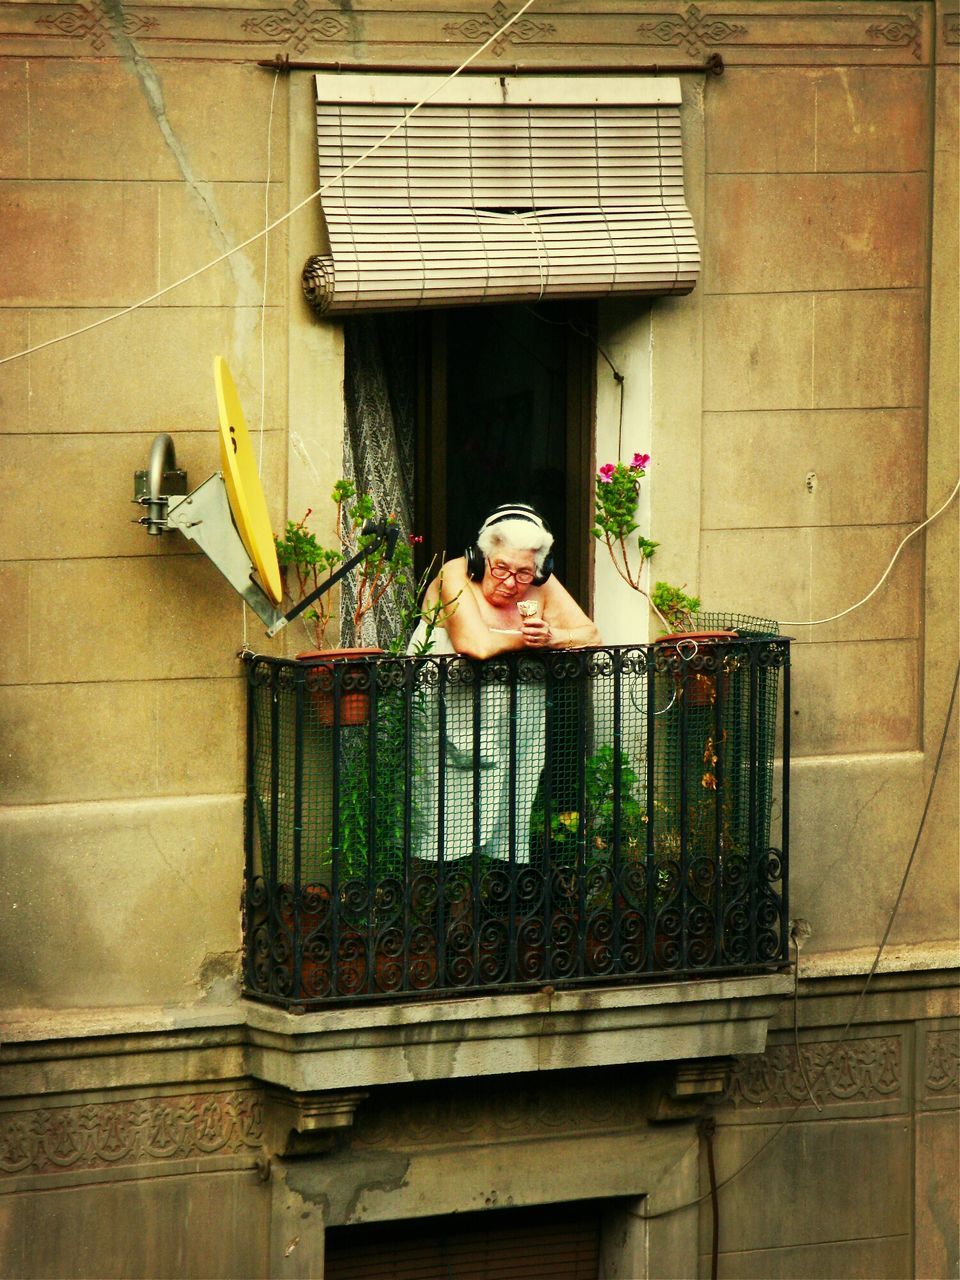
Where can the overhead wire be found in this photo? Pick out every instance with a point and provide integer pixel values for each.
(284, 217)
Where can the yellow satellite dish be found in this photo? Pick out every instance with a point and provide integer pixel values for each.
(244, 491)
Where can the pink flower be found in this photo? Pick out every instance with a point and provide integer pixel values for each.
(640, 461)
(605, 474)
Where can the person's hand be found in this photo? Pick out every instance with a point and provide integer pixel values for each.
(537, 633)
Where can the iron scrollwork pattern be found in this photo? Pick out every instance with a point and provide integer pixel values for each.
(435, 824)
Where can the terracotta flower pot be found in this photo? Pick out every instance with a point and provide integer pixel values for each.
(698, 688)
(354, 703)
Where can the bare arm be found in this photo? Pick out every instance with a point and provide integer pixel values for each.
(468, 632)
(567, 624)
(560, 623)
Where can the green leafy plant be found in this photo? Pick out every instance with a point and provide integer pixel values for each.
(617, 494)
(305, 563)
(599, 826)
(674, 606)
(413, 609)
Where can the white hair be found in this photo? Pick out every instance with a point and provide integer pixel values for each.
(515, 533)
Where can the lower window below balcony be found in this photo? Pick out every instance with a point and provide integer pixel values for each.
(560, 1241)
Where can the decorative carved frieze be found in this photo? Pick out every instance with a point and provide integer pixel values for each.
(951, 28)
(694, 29)
(93, 23)
(300, 26)
(775, 36)
(132, 1132)
(598, 32)
(941, 1064)
(869, 1070)
(902, 31)
(479, 27)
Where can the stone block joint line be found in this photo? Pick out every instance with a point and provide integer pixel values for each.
(284, 217)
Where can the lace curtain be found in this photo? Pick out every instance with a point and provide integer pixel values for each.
(380, 393)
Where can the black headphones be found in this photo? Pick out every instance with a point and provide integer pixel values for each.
(476, 561)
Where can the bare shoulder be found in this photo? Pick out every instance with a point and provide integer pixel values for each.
(561, 610)
(554, 593)
(454, 571)
(449, 582)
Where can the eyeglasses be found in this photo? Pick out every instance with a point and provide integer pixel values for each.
(522, 577)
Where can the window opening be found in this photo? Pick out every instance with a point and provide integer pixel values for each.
(561, 1241)
(507, 416)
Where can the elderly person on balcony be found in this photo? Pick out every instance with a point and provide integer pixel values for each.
(500, 596)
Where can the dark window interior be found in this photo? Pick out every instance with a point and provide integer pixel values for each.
(490, 404)
(506, 415)
(561, 1242)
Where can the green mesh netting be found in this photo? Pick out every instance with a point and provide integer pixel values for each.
(713, 761)
(567, 816)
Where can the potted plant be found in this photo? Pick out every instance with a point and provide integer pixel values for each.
(306, 565)
(697, 688)
(688, 663)
(617, 493)
(369, 951)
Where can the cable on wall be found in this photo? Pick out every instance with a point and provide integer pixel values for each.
(618, 377)
(815, 622)
(818, 622)
(707, 1128)
(840, 1042)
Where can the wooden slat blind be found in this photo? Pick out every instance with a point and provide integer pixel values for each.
(509, 193)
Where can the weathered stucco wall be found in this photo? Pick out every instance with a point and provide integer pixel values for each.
(798, 425)
(121, 701)
(800, 407)
(829, 1164)
(801, 413)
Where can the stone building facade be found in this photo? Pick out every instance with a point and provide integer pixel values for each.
(801, 405)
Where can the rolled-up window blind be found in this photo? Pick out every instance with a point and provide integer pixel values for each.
(501, 189)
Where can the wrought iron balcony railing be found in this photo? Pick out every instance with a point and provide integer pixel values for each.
(437, 825)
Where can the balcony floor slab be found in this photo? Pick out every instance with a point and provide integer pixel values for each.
(47, 1052)
(500, 1035)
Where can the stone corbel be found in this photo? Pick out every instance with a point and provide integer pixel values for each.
(691, 1088)
(306, 1124)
